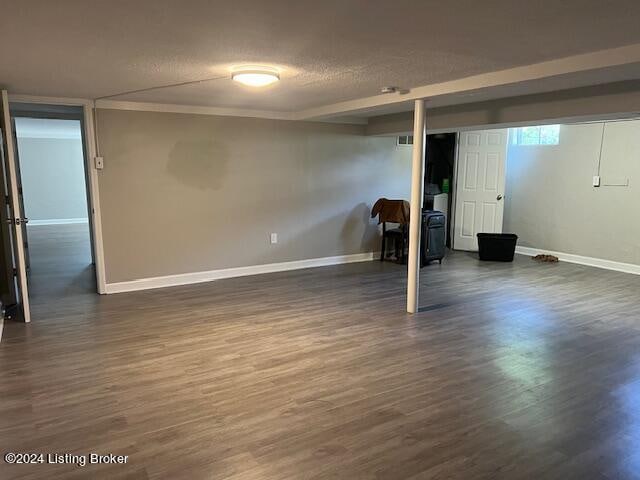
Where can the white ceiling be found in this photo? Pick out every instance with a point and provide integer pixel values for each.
(329, 51)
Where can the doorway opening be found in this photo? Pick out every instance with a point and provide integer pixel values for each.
(479, 186)
(50, 155)
(439, 172)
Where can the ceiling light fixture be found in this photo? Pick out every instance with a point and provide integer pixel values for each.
(389, 89)
(256, 77)
(394, 89)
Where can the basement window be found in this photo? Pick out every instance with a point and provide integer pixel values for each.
(405, 141)
(541, 135)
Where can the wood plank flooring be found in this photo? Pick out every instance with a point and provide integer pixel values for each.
(514, 371)
(60, 262)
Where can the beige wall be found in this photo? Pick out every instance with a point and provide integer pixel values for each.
(551, 202)
(186, 193)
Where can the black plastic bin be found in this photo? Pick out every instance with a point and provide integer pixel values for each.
(497, 247)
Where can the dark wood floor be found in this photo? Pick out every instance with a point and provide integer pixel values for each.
(60, 263)
(519, 371)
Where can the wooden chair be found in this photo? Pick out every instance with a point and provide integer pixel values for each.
(400, 241)
(392, 211)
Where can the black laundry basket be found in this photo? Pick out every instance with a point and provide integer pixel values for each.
(497, 247)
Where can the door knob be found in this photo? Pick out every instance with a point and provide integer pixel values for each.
(499, 197)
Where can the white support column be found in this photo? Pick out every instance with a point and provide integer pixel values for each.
(417, 189)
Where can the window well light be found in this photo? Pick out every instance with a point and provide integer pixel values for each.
(256, 77)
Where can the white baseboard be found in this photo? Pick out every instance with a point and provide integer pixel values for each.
(579, 259)
(59, 221)
(208, 276)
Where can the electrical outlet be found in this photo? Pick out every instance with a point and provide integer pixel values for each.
(274, 238)
(596, 180)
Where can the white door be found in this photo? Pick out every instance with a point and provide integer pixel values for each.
(480, 180)
(15, 216)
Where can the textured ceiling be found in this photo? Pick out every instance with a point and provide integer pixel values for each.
(329, 51)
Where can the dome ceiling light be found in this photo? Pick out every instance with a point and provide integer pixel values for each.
(256, 77)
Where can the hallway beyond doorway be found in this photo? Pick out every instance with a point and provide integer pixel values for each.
(60, 264)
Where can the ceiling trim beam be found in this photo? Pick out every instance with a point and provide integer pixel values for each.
(575, 64)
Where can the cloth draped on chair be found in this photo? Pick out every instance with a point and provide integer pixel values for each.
(393, 211)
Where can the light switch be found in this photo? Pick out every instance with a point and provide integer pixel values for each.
(274, 238)
(99, 161)
(596, 180)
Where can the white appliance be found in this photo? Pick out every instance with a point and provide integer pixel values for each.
(441, 203)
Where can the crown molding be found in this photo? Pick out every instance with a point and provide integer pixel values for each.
(193, 109)
(73, 102)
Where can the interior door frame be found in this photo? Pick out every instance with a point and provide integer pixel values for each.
(17, 215)
(9, 295)
(456, 170)
(93, 188)
(23, 226)
(456, 164)
(454, 192)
